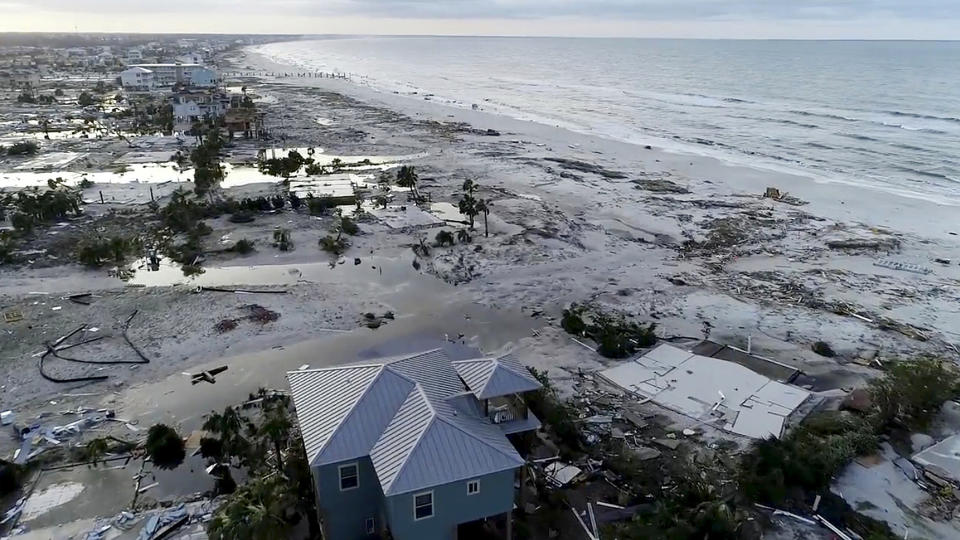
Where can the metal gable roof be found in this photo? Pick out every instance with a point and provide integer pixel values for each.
(411, 415)
(324, 397)
(446, 453)
(364, 424)
(488, 378)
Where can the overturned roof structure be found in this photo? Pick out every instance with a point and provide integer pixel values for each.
(942, 459)
(700, 387)
(417, 420)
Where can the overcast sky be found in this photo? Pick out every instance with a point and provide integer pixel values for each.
(853, 19)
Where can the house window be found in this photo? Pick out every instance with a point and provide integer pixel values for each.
(349, 477)
(473, 487)
(423, 506)
(370, 526)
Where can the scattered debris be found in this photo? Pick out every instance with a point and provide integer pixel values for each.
(208, 376)
(560, 474)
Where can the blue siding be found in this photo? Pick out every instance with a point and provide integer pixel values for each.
(451, 507)
(343, 513)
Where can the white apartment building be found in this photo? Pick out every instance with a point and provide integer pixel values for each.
(164, 76)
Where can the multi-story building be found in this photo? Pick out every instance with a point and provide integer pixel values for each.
(165, 76)
(414, 447)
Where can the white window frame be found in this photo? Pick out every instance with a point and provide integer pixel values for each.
(433, 511)
(472, 483)
(356, 467)
(370, 525)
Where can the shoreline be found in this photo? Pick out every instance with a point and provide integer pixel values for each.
(877, 206)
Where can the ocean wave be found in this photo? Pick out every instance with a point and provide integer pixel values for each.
(922, 116)
(831, 116)
(859, 137)
(918, 129)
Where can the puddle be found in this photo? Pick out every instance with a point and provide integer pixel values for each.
(447, 212)
(50, 498)
(236, 175)
(380, 270)
(53, 160)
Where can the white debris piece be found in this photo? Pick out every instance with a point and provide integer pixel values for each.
(699, 386)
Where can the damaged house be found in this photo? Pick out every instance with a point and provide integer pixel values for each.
(718, 392)
(414, 446)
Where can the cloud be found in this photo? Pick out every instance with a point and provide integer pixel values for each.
(529, 9)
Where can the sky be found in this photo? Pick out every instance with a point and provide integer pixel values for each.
(759, 19)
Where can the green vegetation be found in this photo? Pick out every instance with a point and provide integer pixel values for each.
(100, 251)
(407, 177)
(26, 97)
(207, 170)
(7, 247)
(243, 247)
(823, 349)
(284, 166)
(336, 245)
(349, 226)
(558, 417)
(444, 238)
(165, 447)
(269, 447)
(912, 391)
(616, 337)
(10, 477)
(318, 206)
(256, 511)
(31, 207)
(789, 471)
(778, 470)
(282, 240)
(23, 148)
(86, 99)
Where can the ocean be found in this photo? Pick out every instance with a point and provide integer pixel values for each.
(884, 114)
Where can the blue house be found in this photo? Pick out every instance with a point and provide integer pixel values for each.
(414, 447)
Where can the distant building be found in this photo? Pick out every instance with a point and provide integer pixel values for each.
(20, 78)
(165, 76)
(192, 58)
(249, 122)
(137, 79)
(196, 106)
(414, 447)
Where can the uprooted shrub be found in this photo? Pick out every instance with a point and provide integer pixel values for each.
(165, 447)
(780, 470)
(100, 251)
(824, 349)
(912, 391)
(616, 337)
(243, 247)
(336, 245)
(557, 416)
(31, 207)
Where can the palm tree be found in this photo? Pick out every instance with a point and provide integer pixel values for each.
(255, 511)
(468, 203)
(276, 424)
(407, 178)
(230, 427)
(483, 206)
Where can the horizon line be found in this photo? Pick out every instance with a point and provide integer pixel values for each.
(502, 36)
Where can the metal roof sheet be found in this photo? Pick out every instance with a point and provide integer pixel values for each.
(324, 397)
(493, 377)
(364, 424)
